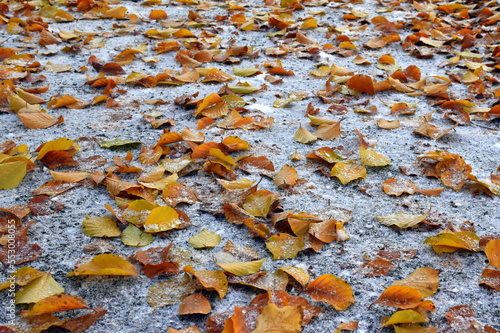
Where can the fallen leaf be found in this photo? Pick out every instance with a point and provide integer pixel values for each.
(100, 227)
(371, 158)
(171, 291)
(450, 241)
(210, 280)
(133, 236)
(377, 267)
(242, 268)
(205, 240)
(38, 289)
(396, 187)
(273, 319)
(332, 290)
(195, 303)
(259, 202)
(287, 175)
(492, 251)
(402, 297)
(162, 218)
(105, 264)
(404, 317)
(401, 220)
(424, 279)
(347, 172)
(55, 303)
(284, 246)
(490, 278)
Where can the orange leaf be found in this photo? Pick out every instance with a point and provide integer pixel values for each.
(61, 101)
(402, 297)
(39, 120)
(212, 106)
(157, 14)
(196, 303)
(257, 164)
(492, 251)
(491, 278)
(332, 290)
(377, 267)
(450, 241)
(363, 83)
(259, 203)
(56, 303)
(215, 280)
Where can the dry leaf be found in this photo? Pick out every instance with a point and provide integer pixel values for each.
(333, 290)
(424, 279)
(273, 319)
(195, 303)
(401, 220)
(105, 264)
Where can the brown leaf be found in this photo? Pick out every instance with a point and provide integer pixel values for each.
(44, 205)
(490, 278)
(259, 164)
(82, 323)
(377, 267)
(396, 187)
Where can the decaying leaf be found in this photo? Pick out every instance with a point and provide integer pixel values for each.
(396, 187)
(401, 220)
(171, 291)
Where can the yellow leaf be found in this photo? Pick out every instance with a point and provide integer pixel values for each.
(448, 241)
(297, 273)
(284, 246)
(404, 317)
(332, 290)
(38, 289)
(162, 219)
(236, 184)
(347, 172)
(310, 24)
(371, 158)
(133, 236)
(401, 220)
(58, 144)
(21, 277)
(412, 328)
(38, 120)
(304, 136)
(242, 268)
(205, 240)
(259, 203)
(424, 279)
(248, 71)
(12, 172)
(273, 319)
(102, 226)
(105, 264)
(137, 211)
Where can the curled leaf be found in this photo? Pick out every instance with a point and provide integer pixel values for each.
(401, 220)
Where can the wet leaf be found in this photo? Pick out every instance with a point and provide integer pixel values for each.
(401, 220)
(273, 319)
(205, 240)
(100, 227)
(38, 289)
(332, 290)
(105, 264)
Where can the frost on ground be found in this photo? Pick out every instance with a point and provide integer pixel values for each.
(330, 138)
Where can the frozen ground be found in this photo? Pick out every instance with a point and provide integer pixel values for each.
(61, 236)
